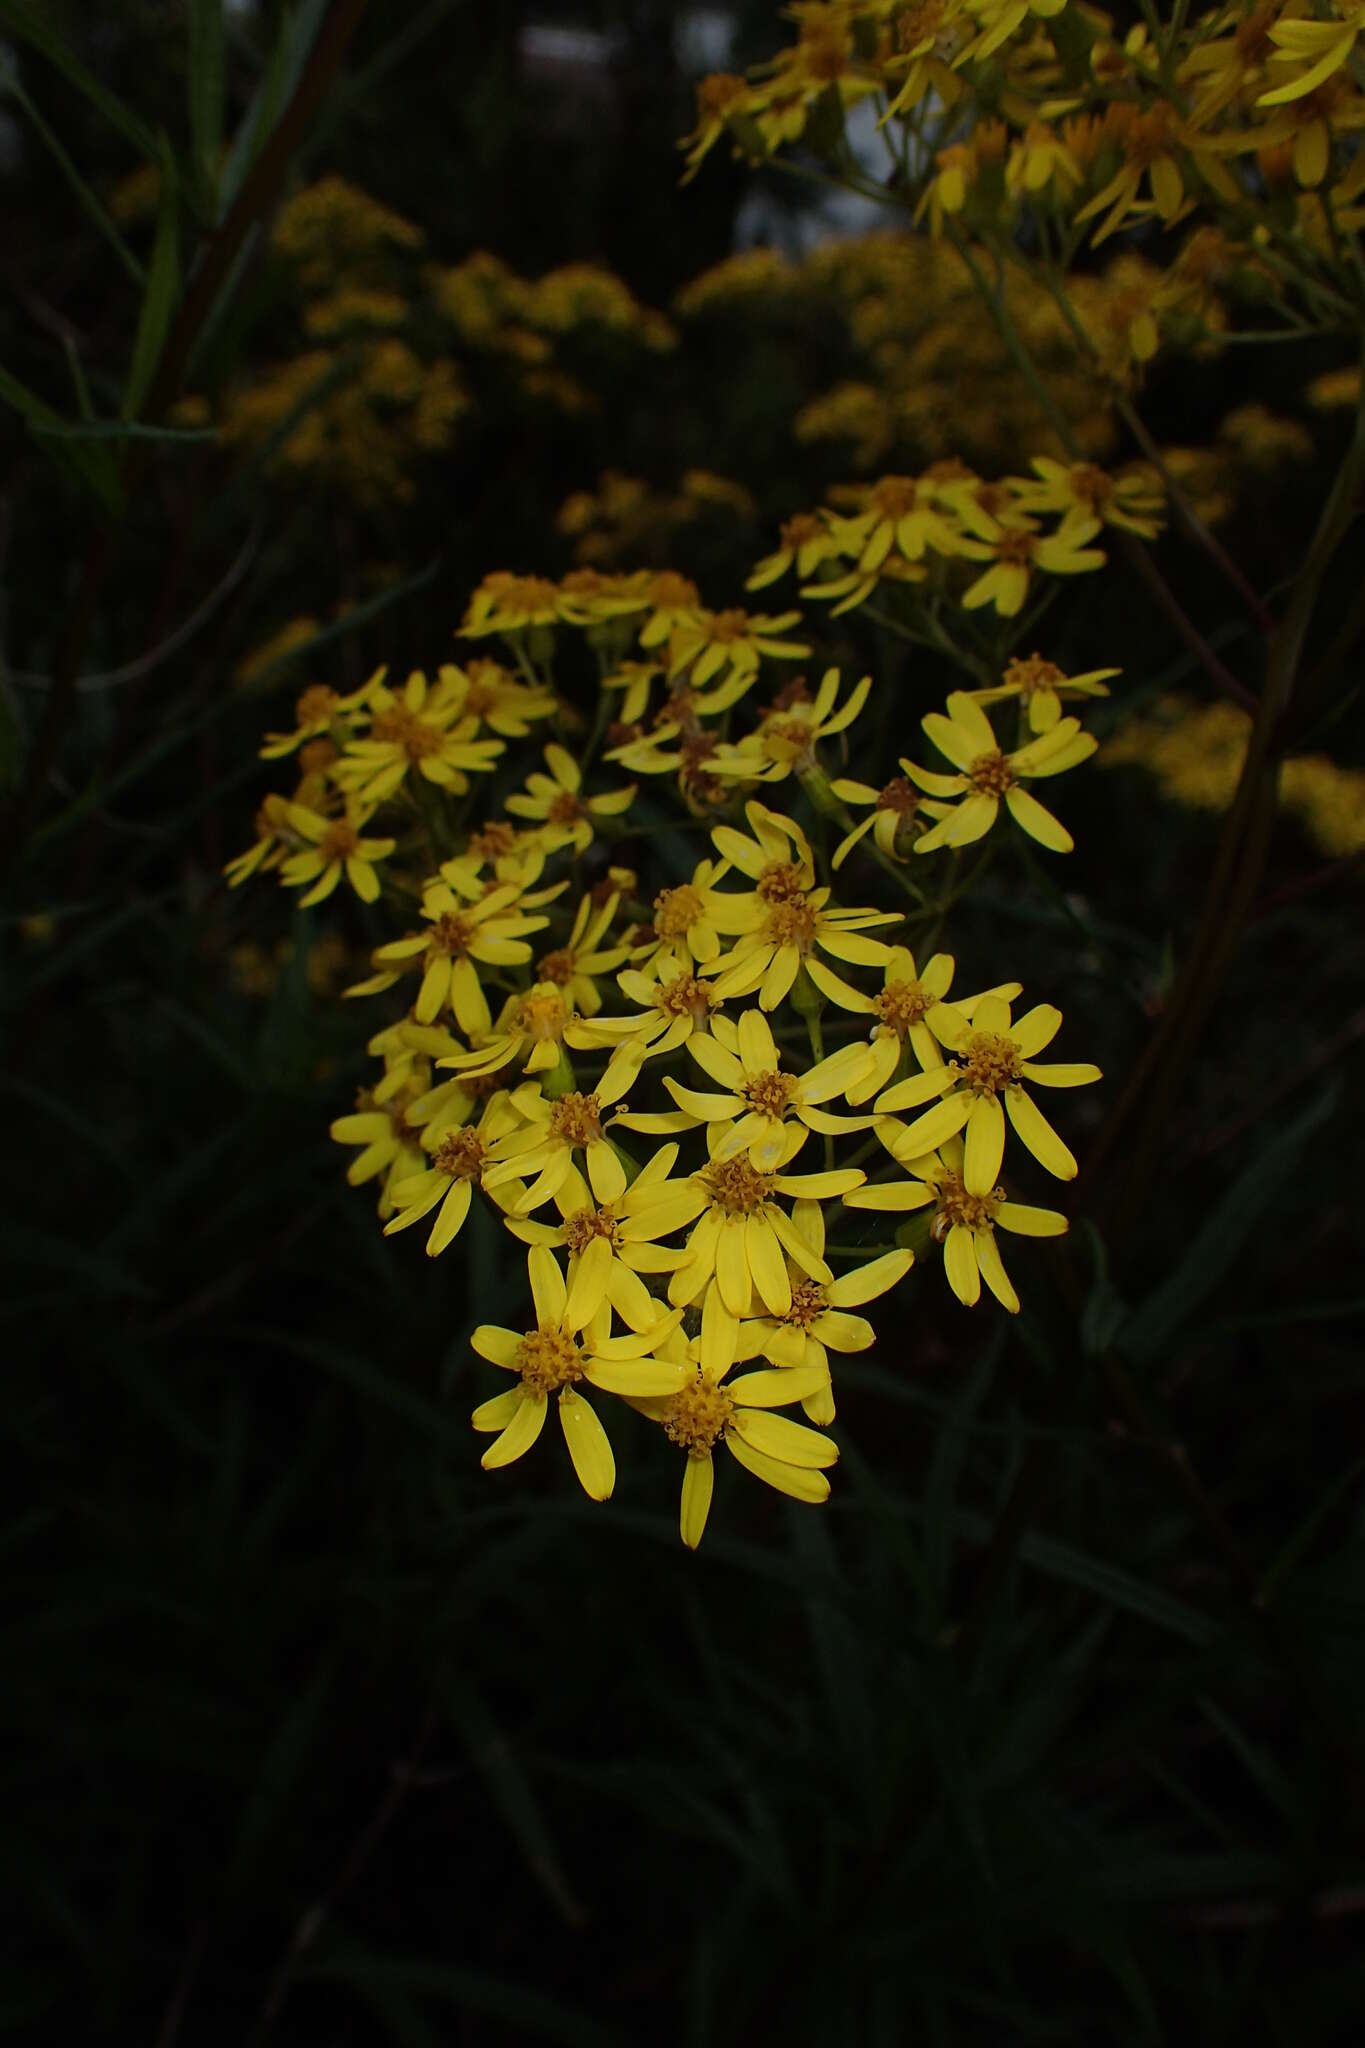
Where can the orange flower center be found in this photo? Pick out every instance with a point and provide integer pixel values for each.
(577, 1119)
(1035, 674)
(585, 1224)
(991, 1062)
(460, 1154)
(451, 934)
(781, 882)
(769, 1093)
(404, 729)
(902, 1004)
(565, 809)
(735, 1187)
(675, 910)
(809, 1301)
(315, 704)
(495, 840)
(955, 1205)
(557, 966)
(339, 841)
(685, 996)
(791, 924)
(899, 795)
(698, 1414)
(991, 774)
(548, 1358)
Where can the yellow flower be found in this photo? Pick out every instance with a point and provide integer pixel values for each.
(730, 644)
(818, 1321)
(721, 96)
(806, 543)
(689, 918)
(740, 1230)
(1039, 158)
(965, 1225)
(911, 1009)
(1040, 686)
(629, 1231)
(557, 800)
(540, 1150)
(674, 603)
(1015, 551)
(898, 812)
(672, 1004)
(381, 1127)
(422, 729)
(787, 738)
(633, 679)
(507, 603)
(901, 514)
(486, 691)
(570, 1344)
(1147, 138)
(458, 1156)
(319, 710)
(993, 1057)
(1322, 46)
(574, 965)
(786, 918)
(336, 847)
(751, 1112)
(985, 774)
(275, 838)
(707, 1411)
(466, 925)
(1134, 498)
(537, 1024)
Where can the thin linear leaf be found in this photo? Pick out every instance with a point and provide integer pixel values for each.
(1212, 1252)
(1060, 1561)
(124, 430)
(95, 212)
(534, 2016)
(512, 1793)
(161, 298)
(31, 27)
(206, 76)
(297, 35)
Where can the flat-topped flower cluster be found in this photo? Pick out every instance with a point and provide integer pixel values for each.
(712, 1094)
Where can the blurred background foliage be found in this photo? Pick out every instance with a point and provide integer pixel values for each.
(1049, 1727)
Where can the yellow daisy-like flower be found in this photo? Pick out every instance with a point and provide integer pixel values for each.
(1016, 552)
(420, 729)
(707, 1411)
(1320, 47)
(507, 603)
(458, 1156)
(557, 803)
(786, 740)
(1133, 498)
(721, 96)
(993, 1058)
(275, 839)
(336, 847)
(674, 604)
(729, 644)
(320, 712)
(690, 918)
(380, 1126)
(985, 774)
(569, 1345)
(575, 965)
(786, 918)
(818, 1321)
(634, 680)
(965, 1225)
(490, 693)
(901, 515)
(540, 1150)
(911, 1009)
(630, 1232)
(740, 1229)
(534, 1028)
(806, 543)
(751, 1113)
(1040, 686)
(673, 1004)
(898, 812)
(467, 926)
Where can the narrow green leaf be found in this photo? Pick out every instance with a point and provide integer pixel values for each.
(161, 297)
(95, 212)
(1212, 1252)
(529, 2014)
(123, 430)
(298, 32)
(206, 74)
(514, 1796)
(31, 26)
(1060, 1561)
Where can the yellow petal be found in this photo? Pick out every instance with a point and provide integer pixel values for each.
(799, 1481)
(778, 1437)
(588, 1446)
(497, 1413)
(699, 1479)
(588, 1288)
(547, 1284)
(959, 1264)
(1038, 1134)
(993, 1271)
(985, 1145)
(519, 1435)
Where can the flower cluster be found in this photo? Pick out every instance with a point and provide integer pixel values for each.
(716, 1099)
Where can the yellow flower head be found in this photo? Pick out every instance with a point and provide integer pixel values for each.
(985, 774)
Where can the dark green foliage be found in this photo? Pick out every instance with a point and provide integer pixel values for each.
(1047, 1729)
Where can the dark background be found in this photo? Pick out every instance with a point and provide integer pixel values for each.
(320, 1734)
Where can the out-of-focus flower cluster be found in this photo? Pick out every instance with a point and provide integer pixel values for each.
(720, 1098)
(1196, 752)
